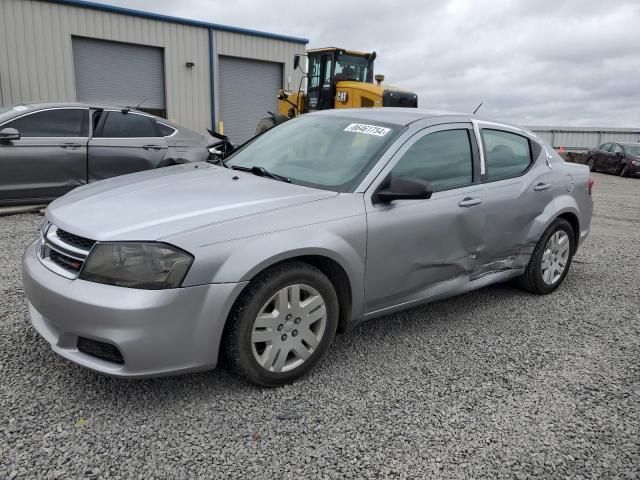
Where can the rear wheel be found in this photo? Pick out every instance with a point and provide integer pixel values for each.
(282, 325)
(551, 259)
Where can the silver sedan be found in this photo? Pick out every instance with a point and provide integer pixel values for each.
(318, 224)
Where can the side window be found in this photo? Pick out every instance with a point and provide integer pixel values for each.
(53, 123)
(505, 154)
(605, 147)
(165, 130)
(328, 63)
(442, 158)
(615, 148)
(127, 125)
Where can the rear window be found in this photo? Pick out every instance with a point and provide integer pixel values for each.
(128, 125)
(506, 154)
(165, 130)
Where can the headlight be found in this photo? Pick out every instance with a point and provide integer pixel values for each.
(636, 163)
(146, 265)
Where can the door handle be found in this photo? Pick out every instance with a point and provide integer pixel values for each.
(542, 187)
(469, 202)
(71, 145)
(152, 147)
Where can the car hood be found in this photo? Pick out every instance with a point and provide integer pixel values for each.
(167, 201)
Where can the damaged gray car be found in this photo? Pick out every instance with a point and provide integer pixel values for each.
(322, 222)
(48, 149)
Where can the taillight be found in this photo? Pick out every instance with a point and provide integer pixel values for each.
(592, 182)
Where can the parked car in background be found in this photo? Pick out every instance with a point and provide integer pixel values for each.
(48, 149)
(614, 157)
(321, 222)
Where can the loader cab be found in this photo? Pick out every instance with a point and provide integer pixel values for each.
(327, 66)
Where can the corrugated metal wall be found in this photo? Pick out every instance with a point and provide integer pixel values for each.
(272, 50)
(579, 139)
(36, 62)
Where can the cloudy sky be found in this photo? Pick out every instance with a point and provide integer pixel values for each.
(542, 62)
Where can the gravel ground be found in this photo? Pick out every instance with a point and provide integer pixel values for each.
(496, 384)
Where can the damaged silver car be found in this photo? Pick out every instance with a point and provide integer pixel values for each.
(320, 223)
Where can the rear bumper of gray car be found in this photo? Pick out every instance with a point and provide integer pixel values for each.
(127, 332)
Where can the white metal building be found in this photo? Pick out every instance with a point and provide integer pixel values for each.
(579, 139)
(194, 73)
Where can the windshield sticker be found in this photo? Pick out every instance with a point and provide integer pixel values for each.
(368, 129)
(20, 108)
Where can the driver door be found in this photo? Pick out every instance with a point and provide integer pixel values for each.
(419, 249)
(48, 160)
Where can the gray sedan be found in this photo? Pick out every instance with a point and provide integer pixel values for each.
(322, 222)
(48, 149)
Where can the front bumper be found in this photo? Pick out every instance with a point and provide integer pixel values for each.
(158, 332)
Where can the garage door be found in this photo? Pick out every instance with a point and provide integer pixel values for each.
(122, 74)
(247, 91)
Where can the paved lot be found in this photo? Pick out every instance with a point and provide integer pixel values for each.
(495, 384)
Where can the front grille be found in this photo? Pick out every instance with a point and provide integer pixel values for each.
(65, 261)
(75, 240)
(63, 252)
(102, 350)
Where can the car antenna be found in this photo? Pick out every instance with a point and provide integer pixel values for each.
(477, 108)
(143, 100)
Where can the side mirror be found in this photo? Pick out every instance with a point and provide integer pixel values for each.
(620, 154)
(296, 61)
(404, 188)
(9, 135)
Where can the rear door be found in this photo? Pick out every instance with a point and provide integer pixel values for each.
(517, 186)
(601, 156)
(124, 142)
(50, 157)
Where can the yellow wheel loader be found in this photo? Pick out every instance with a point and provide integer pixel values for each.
(337, 78)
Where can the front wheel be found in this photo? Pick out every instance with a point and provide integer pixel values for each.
(551, 259)
(623, 171)
(282, 325)
(590, 163)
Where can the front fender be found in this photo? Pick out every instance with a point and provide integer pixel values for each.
(343, 241)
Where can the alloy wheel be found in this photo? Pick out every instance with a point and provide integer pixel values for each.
(288, 328)
(555, 257)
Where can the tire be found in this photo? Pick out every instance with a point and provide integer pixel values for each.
(269, 122)
(591, 164)
(535, 278)
(243, 348)
(265, 124)
(624, 171)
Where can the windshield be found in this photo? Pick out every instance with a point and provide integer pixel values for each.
(332, 153)
(349, 67)
(633, 150)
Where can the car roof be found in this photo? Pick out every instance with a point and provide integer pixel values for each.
(44, 105)
(403, 116)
